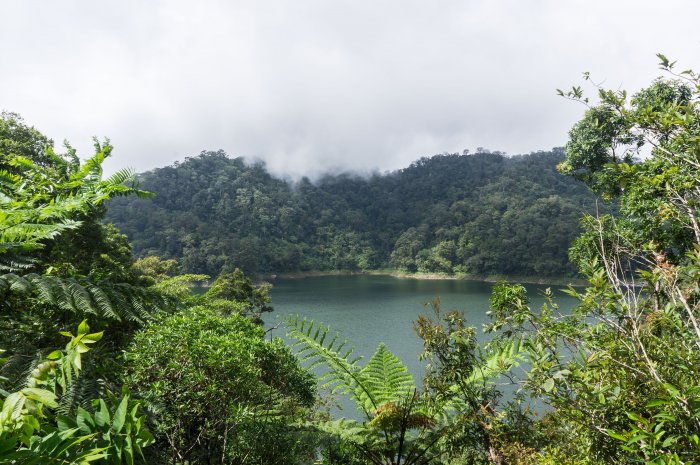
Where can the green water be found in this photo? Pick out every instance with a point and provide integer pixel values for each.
(371, 309)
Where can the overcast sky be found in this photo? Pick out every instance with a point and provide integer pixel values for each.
(311, 86)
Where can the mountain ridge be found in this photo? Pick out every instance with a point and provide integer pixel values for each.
(483, 214)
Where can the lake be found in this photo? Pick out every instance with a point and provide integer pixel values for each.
(369, 309)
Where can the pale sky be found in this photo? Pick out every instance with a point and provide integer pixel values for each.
(312, 86)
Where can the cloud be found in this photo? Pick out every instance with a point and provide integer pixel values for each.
(321, 85)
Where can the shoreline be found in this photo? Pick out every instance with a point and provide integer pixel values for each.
(431, 276)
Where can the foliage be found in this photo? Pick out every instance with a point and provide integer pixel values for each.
(66, 266)
(621, 371)
(403, 425)
(61, 264)
(44, 193)
(235, 293)
(31, 433)
(461, 373)
(18, 139)
(219, 384)
(155, 268)
(481, 214)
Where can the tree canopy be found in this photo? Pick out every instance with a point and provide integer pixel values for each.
(480, 214)
(621, 372)
(63, 268)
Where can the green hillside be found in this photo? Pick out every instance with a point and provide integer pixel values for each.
(480, 214)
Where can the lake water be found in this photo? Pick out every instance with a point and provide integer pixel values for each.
(370, 309)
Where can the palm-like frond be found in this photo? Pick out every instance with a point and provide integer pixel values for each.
(315, 348)
(81, 297)
(20, 234)
(499, 357)
(120, 177)
(39, 203)
(386, 379)
(349, 430)
(124, 182)
(404, 425)
(55, 448)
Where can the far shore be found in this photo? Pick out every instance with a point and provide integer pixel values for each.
(556, 281)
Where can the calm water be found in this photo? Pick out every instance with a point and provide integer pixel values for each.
(371, 309)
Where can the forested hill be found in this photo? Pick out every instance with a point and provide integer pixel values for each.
(480, 214)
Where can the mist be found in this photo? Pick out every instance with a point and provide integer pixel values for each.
(313, 87)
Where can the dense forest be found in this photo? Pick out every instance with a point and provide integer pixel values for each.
(478, 214)
(111, 360)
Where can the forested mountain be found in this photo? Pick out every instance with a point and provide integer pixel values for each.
(480, 214)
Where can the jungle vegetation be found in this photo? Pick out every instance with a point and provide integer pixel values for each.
(477, 214)
(111, 360)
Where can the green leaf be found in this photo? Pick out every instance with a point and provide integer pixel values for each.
(386, 379)
(145, 438)
(42, 396)
(128, 451)
(548, 385)
(12, 408)
(618, 436)
(93, 337)
(65, 423)
(85, 421)
(672, 390)
(120, 415)
(102, 416)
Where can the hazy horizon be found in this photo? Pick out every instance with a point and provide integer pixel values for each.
(353, 172)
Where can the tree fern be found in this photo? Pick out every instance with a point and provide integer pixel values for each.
(315, 348)
(40, 200)
(111, 301)
(42, 196)
(386, 379)
(403, 424)
(57, 303)
(399, 428)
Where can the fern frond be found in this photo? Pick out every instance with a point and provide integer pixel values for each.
(81, 297)
(121, 176)
(498, 358)
(349, 430)
(387, 378)
(343, 375)
(102, 303)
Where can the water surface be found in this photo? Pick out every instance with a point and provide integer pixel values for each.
(369, 309)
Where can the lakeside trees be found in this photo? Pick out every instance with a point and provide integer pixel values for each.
(621, 371)
(479, 214)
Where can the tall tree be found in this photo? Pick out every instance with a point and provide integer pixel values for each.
(621, 371)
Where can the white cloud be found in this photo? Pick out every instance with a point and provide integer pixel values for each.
(315, 85)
